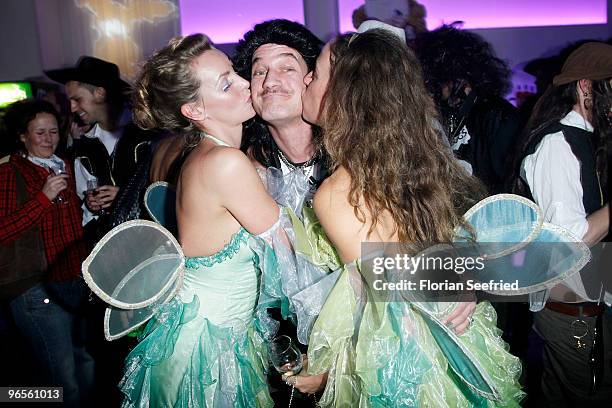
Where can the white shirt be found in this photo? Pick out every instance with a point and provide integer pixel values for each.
(81, 175)
(553, 175)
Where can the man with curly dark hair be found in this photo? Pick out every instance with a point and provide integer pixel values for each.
(276, 56)
(468, 83)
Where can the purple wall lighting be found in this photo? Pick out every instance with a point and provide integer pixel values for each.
(499, 14)
(225, 21)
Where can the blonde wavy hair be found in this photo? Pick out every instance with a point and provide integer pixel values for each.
(166, 82)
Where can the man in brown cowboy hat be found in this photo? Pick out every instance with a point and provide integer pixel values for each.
(111, 149)
(560, 166)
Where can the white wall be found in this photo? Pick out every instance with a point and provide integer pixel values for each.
(321, 17)
(520, 45)
(20, 50)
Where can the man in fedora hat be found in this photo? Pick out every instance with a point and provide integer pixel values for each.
(111, 149)
(116, 154)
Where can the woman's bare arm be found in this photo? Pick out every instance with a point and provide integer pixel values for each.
(241, 191)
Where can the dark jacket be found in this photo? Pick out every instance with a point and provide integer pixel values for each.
(127, 168)
(494, 128)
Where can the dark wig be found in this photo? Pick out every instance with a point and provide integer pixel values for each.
(449, 55)
(257, 139)
(602, 122)
(281, 32)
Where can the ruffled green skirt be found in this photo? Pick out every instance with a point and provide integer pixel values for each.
(383, 355)
(184, 360)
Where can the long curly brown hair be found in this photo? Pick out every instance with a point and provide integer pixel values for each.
(379, 124)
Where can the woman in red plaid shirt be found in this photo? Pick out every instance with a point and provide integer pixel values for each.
(37, 197)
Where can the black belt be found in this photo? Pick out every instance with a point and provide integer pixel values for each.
(576, 309)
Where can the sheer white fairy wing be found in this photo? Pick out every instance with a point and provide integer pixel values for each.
(160, 202)
(519, 247)
(135, 267)
(506, 222)
(120, 322)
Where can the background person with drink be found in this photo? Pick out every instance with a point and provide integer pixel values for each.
(41, 250)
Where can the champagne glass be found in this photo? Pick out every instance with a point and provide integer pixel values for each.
(92, 187)
(285, 357)
(57, 170)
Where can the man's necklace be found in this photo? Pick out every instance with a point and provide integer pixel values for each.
(293, 166)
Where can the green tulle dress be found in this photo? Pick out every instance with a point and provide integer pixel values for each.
(205, 347)
(399, 353)
(383, 354)
(202, 348)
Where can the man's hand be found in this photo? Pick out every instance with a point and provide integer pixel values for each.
(106, 195)
(91, 201)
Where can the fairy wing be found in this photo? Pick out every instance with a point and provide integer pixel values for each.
(518, 246)
(135, 267)
(160, 202)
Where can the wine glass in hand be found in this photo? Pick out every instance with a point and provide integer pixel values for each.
(92, 188)
(285, 355)
(57, 170)
(286, 358)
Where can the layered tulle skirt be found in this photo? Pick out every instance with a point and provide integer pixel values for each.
(383, 354)
(185, 360)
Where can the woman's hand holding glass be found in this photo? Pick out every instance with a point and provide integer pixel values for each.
(285, 356)
(54, 184)
(288, 360)
(58, 171)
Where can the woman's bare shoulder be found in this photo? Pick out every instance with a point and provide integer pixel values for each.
(337, 215)
(221, 161)
(333, 192)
